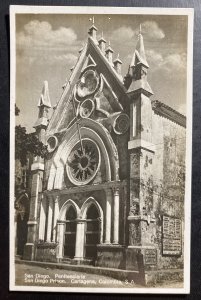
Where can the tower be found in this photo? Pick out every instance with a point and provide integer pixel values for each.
(141, 153)
(37, 170)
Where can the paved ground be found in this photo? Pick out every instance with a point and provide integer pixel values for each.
(28, 275)
(38, 276)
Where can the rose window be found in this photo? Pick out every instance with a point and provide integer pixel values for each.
(88, 84)
(83, 162)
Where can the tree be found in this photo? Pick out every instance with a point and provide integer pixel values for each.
(27, 143)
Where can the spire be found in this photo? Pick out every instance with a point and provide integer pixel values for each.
(44, 105)
(102, 43)
(92, 29)
(136, 80)
(139, 54)
(44, 99)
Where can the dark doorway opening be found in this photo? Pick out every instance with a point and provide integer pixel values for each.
(21, 233)
(92, 235)
(70, 233)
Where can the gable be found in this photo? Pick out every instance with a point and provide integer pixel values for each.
(93, 80)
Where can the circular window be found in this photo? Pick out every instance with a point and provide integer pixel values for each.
(52, 143)
(121, 124)
(83, 162)
(87, 84)
(86, 108)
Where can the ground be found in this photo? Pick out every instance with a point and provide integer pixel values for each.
(29, 275)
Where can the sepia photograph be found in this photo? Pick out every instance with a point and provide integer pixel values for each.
(101, 144)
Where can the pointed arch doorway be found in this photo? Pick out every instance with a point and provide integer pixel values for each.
(70, 233)
(92, 232)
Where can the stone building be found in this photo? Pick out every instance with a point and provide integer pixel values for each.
(111, 191)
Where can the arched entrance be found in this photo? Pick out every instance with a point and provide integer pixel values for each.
(70, 233)
(92, 232)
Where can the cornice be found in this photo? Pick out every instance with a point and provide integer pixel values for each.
(167, 112)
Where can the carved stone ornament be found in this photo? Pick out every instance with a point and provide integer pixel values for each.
(86, 108)
(52, 143)
(88, 85)
(82, 166)
(121, 124)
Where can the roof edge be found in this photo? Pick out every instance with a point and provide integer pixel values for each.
(168, 112)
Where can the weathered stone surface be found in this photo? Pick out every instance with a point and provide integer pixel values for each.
(110, 256)
(46, 252)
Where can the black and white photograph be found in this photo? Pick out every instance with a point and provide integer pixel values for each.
(101, 145)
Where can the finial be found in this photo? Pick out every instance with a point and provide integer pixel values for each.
(109, 48)
(102, 43)
(117, 64)
(92, 29)
(92, 19)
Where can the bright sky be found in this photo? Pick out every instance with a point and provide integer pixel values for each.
(48, 45)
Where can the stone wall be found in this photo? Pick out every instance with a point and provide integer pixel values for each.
(46, 252)
(168, 184)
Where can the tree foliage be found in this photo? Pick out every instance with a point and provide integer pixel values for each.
(27, 143)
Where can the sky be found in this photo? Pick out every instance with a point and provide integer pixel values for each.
(47, 47)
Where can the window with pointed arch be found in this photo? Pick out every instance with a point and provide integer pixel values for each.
(92, 235)
(70, 233)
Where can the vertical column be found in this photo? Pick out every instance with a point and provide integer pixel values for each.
(42, 220)
(37, 174)
(49, 220)
(56, 215)
(116, 216)
(101, 230)
(60, 238)
(79, 244)
(108, 216)
(134, 119)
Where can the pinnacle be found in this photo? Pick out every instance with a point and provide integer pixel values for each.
(44, 97)
(139, 55)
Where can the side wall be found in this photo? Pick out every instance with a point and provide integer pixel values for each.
(168, 189)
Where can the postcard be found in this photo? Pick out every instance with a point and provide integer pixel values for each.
(101, 144)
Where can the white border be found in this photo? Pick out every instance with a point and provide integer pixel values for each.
(16, 9)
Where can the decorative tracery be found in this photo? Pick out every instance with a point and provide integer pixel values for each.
(83, 162)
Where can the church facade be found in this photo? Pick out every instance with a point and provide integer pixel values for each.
(110, 192)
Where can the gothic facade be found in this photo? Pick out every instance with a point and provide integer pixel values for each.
(110, 192)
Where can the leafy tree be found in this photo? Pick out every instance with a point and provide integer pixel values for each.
(27, 143)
